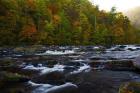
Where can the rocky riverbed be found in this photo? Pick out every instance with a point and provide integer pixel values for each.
(67, 69)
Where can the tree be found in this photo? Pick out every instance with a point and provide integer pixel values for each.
(63, 22)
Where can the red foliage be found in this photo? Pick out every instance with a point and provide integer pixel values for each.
(28, 31)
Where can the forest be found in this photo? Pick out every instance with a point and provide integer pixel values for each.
(63, 22)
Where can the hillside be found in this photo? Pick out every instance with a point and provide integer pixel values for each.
(62, 22)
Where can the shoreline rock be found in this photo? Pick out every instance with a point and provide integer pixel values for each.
(136, 62)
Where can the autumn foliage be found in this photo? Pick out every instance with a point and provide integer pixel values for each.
(63, 22)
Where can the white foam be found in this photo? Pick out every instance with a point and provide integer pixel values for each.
(42, 88)
(35, 84)
(131, 47)
(57, 67)
(85, 68)
(44, 70)
(48, 52)
(96, 47)
(32, 67)
(18, 55)
(61, 86)
(76, 48)
(79, 60)
(45, 88)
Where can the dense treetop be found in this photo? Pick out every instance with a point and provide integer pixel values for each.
(62, 22)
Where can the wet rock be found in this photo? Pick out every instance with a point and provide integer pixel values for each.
(136, 62)
(73, 64)
(125, 47)
(122, 46)
(30, 49)
(121, 65)
(98, 58)
(69, 69)
(51, 63)
(6, 62)
(97, 65)
(102, 81)
(19, 70)
(130, 87)
(54, 78)
(28, 58)
(6, 78)
(117, 48)
(131, 49)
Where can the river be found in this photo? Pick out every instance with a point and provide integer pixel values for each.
(67, 69)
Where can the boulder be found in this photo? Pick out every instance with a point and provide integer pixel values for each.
(9, 78)
(120, 65)
(30, 49)
(97, 65)
(130, 87)
(136, 62)
(73, 64)
(122, 46)
(54, 78)
(69, 69)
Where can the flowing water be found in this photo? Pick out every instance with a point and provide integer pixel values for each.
(69, 68)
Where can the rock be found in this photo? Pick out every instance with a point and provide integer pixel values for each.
(73, 64)
(69, 69)
(54, 78)
(131, 87)
(30, 49)
(136, 62)
(103, 81)
(121, 65)
(51, 63)
(65, 88)
(122, 46)
(98, 58)
(6, 78)
(6, 62)
(14, 77)
(19, 70)
(131, 49)
(117, 48)
(97, 65)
